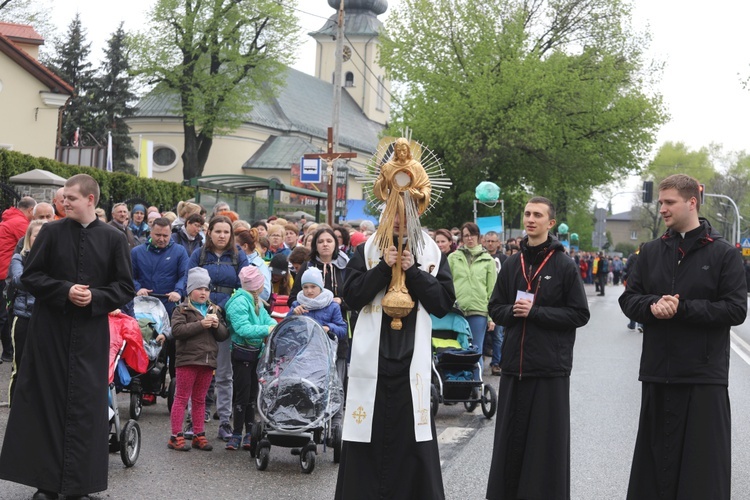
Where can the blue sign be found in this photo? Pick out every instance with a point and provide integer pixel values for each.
(492, 223)
(310, 170)
(746, 243)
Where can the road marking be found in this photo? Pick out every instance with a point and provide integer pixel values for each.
(739, 346)
(453, 435)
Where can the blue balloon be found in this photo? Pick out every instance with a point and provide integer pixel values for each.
(562, 228)
(487, 192)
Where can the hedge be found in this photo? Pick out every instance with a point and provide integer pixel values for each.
(115, 186)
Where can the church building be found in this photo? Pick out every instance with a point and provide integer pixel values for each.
(276, 133)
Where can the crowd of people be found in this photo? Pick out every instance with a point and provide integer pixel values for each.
(226, 282)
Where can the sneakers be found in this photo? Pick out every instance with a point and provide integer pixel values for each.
(225, 431)
(188, 430)
(207, 418)
(149, 399)
(200, 442)
(247, 442)
(631, 326)
(234, 442)
(496, 370)
(178, 443)
(640, 328)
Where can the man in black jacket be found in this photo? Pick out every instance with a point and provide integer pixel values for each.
(540, 300)
(688, 289)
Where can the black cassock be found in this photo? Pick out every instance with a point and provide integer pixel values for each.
(393, 464)
(57, 433)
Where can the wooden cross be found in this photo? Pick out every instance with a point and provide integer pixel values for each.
(330, 157)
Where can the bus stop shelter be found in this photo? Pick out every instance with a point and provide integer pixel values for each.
(234, 186)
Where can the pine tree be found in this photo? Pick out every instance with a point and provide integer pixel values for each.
(114, 99)
(71, 63)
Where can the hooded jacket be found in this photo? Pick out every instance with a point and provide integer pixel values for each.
(540, 345)
(692, 347)
(12, 228)
(474, 279)
(195, 345)
(162, 270)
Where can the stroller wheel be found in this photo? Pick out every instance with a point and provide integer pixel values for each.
(476, 396)
(263, 457)
(255, 436)
(336, 443)
(170, 395)
(307, 458)
(489, 401)
(136, 405)
(434, 400)
(130, 443)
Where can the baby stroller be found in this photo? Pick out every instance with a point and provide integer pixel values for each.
(127, 439)
(299, 393)
(454, 363)
(152, 320)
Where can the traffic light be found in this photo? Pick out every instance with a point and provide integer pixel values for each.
(648, 191)
(702, 190)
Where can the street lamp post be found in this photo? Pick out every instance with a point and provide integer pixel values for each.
(737, 211)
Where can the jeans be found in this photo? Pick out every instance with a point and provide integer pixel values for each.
(498, 335)
(478, 326)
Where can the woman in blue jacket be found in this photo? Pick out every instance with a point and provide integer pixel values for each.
(223, 260)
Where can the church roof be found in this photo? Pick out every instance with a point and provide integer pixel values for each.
(278, 152)
(360, 17)
(22, 33)
(34, 67)
(304, 105)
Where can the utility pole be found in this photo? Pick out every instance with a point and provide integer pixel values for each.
(337, 84)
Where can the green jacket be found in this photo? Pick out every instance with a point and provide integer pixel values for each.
(246, 327)
(473, 280)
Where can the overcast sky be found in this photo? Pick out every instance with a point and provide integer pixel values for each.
(703, 45)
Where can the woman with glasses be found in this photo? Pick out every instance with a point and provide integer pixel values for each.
(474, 275)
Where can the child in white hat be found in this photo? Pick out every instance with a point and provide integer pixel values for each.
(317, 302)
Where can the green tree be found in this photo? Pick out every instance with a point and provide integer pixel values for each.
(672, 158)
(71, 63)
(114, 102)
(218, 56)
(543, 97)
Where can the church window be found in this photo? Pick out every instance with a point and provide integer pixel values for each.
(380, 103)
(349, 79)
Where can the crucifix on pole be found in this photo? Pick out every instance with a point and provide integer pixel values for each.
(330, 158)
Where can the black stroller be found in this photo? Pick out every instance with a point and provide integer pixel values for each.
(454, 363)
(299, 392)
(153, 320)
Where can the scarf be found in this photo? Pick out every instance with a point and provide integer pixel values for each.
(363, 371)
(313, 304)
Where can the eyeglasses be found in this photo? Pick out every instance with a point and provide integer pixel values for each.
(467, 236)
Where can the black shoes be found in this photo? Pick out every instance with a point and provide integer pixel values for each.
(44, 495)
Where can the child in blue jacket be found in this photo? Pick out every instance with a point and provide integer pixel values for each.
(317, 302)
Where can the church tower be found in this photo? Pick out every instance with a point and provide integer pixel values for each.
(362, 77)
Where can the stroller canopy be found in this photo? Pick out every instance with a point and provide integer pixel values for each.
(299, 385)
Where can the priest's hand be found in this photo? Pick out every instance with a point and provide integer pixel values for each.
(666, 307)
(80, 295)
(391, 256)
(407, 260)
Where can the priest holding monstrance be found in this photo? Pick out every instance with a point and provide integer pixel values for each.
(395, 280)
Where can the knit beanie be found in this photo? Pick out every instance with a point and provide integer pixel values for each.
(139, 208)
(153, 215)
(251, 278)
(197, 278)
(314, 276)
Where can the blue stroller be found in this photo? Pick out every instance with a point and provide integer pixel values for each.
(455, 365)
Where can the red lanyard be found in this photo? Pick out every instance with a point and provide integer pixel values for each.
(523, 269)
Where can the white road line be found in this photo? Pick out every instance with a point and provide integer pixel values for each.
(739, 346)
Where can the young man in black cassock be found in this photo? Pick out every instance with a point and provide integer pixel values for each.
(398, 457)
(540, 300)
(78, 270)
(688, 289)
